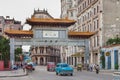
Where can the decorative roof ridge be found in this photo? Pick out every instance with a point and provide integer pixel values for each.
(16, 30)
(33, 18)
(41, 11)
(80, 32)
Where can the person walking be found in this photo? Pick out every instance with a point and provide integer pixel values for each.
(91, 68)
(97, 69)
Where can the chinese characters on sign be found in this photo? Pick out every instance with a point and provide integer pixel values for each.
(53, 34)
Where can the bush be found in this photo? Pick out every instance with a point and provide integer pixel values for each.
(103, 61)
(116, 66)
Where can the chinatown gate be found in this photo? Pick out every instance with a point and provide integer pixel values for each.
(47, 31)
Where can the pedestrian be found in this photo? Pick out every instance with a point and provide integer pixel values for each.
(91, 68)
(24, 67)
(97, 69)
(88, 68)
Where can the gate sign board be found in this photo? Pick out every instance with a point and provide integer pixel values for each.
(48, 31)
(50, 34)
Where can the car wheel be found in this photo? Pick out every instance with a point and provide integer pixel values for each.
(56, 73)
(71, 74)
(59, 74)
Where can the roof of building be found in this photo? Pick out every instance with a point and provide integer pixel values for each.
(42, 17)
(18, 32)
(50, 20)
(28, 33)
(80, 34)
(110, 46)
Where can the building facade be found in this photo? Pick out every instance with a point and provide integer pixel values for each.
(69, 10)
(42, 55)
(100, 16)
(111, 56)
(8, 23)
(2, 22)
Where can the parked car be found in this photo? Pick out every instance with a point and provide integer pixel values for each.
(79, 67)
(63, 69)
(50, 66)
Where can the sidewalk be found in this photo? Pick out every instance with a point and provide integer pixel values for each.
(12, 73)
(105, 71)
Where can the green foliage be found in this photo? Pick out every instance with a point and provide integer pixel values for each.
(111, 41)
(4, 49)
(18, 52)
(102, 58)
(116, 66)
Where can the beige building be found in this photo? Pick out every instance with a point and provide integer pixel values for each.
(8, 23)
(2, 22)
(100, 16)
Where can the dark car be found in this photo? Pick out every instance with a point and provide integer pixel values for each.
(50, 66)
(63, 69)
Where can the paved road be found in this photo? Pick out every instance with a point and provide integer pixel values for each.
(41, 74)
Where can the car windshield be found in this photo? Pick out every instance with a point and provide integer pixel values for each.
(64, 65)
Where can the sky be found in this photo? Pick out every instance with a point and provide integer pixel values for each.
(22, 9)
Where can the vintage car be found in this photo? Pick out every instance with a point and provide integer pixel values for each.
(50, 66)
(64, 69)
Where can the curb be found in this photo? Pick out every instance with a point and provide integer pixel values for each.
(15, 75)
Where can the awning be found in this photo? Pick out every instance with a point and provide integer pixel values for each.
(78, 54)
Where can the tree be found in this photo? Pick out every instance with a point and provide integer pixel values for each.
(103, 61)
(115, 40)
(110, 41)
(18, 53)
(5, 49)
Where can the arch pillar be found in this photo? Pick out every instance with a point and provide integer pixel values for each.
(44, 63)
(38, 60)
(44, 50)
(12, 47)
(34, 51)
(38, 50)
(91, 58)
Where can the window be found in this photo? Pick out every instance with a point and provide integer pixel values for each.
(97, 9)
(85, 4)
(94, 11)
(57, 66)
(69, 0)
(88, 2)
(94, 42)
(71, 14)
(64, 65)
(97, 40)
(94, 25)
(97, 23)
